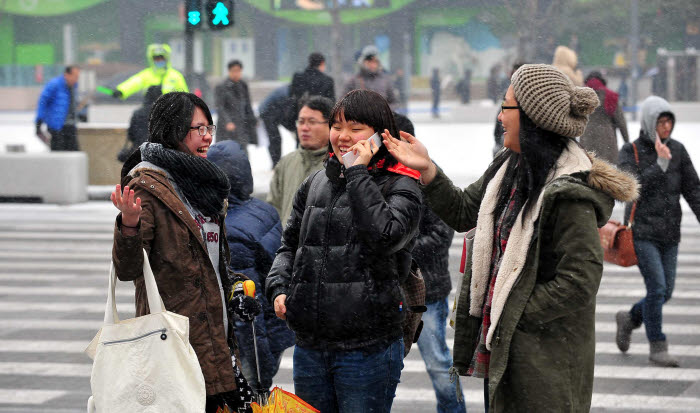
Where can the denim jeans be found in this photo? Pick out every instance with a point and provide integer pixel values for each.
(437, 357)
(657, 263)
(348, 381)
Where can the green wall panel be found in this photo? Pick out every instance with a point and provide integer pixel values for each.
(34, 54)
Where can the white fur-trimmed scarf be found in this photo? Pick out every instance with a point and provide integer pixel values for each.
(573, 159)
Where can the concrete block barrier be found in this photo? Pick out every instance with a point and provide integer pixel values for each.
(51, 177)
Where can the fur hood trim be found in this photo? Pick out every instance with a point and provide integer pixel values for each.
(607, 178)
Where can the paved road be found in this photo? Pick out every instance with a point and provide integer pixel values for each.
(53, 278)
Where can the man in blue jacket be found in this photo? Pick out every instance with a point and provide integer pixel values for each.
(57, 109)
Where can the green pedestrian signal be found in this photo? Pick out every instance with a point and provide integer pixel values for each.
(219, 14)
(193, 14)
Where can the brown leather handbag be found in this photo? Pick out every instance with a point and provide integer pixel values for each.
(616, 238)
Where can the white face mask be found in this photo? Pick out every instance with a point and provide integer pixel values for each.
(160, 64)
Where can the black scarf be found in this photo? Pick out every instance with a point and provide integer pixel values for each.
(204, 184)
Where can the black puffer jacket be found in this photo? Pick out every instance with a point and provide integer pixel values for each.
(343, 252)
(658, 215)
(432, 255)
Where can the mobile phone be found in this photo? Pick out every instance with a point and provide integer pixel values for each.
(350, 158)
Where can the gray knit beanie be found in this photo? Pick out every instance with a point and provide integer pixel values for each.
(550, 99)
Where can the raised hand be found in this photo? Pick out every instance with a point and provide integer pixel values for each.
(365, 151)
(662, 150)
(130, 208)
(412, 153)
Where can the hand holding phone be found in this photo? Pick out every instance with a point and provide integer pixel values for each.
(350, 157)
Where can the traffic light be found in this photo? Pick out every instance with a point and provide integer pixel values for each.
(219, 14)
(193, 14)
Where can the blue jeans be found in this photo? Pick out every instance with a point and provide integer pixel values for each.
(348, 381)
(437, 357)
(657, 263)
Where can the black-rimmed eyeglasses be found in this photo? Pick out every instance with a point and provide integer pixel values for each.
(504, 107)
(203, 130)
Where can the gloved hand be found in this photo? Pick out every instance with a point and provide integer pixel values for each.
(117, 94)
(244, 307)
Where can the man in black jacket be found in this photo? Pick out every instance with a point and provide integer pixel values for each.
(236, 118)
(311, 82)
(665, 172)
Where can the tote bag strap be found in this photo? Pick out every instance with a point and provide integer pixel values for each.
(155, 302)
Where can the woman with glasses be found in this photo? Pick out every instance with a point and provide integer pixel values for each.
(173, 206)
(526, 312)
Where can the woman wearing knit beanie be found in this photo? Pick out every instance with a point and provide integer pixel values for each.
(526, 312)
(173, 207)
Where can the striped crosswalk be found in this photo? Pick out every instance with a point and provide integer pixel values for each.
(53, 277)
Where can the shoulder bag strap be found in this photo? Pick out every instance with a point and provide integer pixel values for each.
(155, 302)
(634, 204)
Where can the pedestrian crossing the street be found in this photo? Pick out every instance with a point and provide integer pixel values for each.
(54, 264)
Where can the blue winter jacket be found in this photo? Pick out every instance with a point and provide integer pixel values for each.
(254, 233)
(54, 103)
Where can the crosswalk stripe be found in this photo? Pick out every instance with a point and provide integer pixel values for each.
(638, 280)
(55, 236)
(639, 293)
(410, 366)
(104, 256)
(66, 291)
(98, 307)
(49, 265)
(59, 307)
(680, 350)
(29, 397)
(67, 346)
(668, 309)
(49, 227)
(72, 324)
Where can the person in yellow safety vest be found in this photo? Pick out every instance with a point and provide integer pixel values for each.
(159, 72)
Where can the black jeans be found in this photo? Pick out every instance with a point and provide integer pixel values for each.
(65, 139)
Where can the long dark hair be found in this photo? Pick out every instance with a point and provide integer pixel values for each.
(539, 151)
(371, 109)
(171, 117)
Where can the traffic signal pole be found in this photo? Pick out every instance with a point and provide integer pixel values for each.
(189, 53)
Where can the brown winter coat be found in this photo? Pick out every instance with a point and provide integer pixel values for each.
(182, 268)
(542, 336)
(600, 135)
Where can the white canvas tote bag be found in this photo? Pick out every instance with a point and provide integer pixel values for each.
(144, 364)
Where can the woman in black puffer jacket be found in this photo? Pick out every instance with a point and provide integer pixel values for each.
(336, 277)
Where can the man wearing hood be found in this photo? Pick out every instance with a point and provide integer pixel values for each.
(253, 232)
(372, 77)
(159, 73)
(665, 172)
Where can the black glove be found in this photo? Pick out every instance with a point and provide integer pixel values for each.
(244, 307)
(117, 94)
(38, 128)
